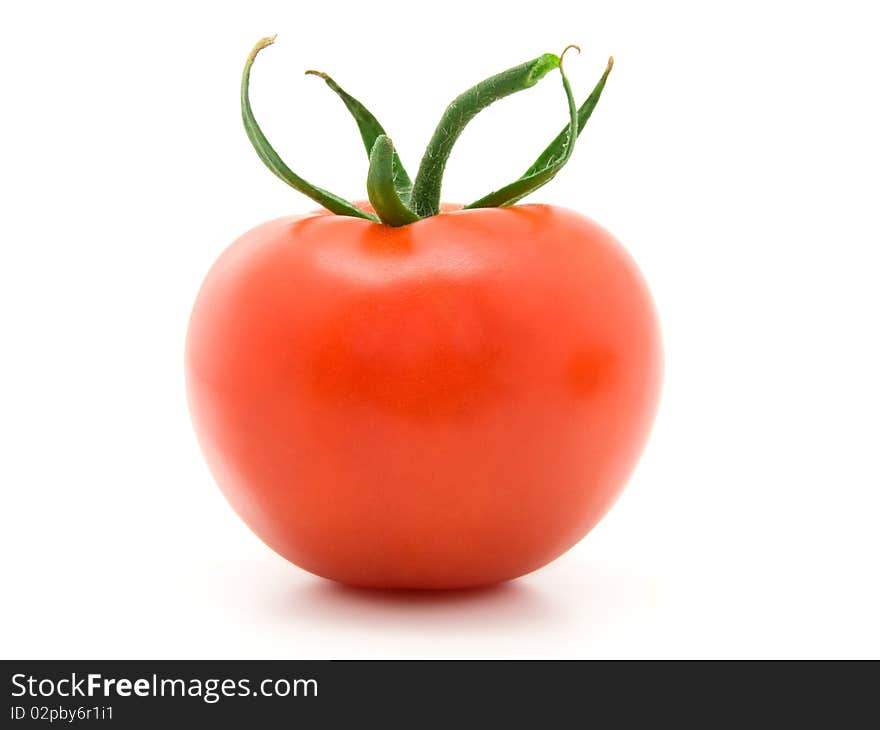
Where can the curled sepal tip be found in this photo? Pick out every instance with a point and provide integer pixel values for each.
(369, 127)
(552, 164)
(584, 113)
(426, 187)
(381, 190)
(273, 161)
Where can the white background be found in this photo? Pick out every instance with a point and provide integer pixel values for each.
(735, 153)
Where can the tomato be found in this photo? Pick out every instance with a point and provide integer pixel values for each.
(449, 403)
(403, 394)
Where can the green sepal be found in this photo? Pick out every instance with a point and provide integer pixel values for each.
(381, 190)
(370, 130)
(555, 156)
(584, 113)
(425, 200)
(270, 157)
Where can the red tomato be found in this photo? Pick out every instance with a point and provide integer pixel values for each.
(450, 403)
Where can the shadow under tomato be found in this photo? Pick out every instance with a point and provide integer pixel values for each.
(513, 603)
(565, 610)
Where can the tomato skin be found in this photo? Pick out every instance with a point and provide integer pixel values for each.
(451, 403)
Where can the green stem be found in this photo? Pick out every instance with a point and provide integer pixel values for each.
(381, 189)
(426, 188)
(270, 157)
(369, 128)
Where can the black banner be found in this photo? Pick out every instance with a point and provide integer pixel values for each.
(147, 694)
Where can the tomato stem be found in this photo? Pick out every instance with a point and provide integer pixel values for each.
(398, 200)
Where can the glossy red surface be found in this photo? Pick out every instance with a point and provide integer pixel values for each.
(451, 403)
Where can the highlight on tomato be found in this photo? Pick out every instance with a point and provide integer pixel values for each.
(411, 394)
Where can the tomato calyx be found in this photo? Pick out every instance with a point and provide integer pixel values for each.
(397, 199)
